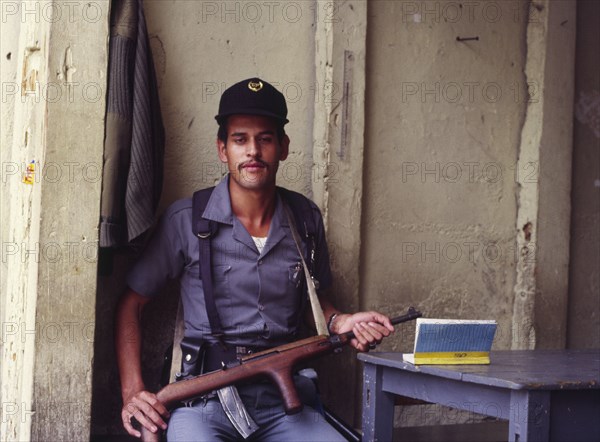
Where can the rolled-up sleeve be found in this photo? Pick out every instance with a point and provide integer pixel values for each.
(163, 257)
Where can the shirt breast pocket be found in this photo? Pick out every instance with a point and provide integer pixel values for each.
(220, 274)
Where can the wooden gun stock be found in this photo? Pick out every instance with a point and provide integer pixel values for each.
(277, 364)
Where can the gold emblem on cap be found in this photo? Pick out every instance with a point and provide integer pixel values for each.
(255, 86)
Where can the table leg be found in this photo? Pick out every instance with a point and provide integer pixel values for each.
(529, 416)
(378, 406)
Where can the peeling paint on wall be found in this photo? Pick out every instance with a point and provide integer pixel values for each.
(31, 69)
(68, 67)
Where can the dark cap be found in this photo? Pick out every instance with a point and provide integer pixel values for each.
(252, 97)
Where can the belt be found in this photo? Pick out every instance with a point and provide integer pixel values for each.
(215, 356)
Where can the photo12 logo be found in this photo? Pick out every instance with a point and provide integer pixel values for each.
(50, 252)
(470, 172)
(468, 92)
(268, 11)
(69, 332)
(250, 12)
(32, 90)
(51, 172)
(489, 12)
(51, 11)
(52, 411)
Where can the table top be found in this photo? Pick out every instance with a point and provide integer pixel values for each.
(513, 369)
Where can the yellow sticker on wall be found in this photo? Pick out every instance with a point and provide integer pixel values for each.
(29, 175)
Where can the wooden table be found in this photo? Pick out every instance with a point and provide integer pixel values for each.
(544, 394)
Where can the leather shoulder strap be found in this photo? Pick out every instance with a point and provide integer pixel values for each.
(204, 230)
(305, 222)
(199, 202)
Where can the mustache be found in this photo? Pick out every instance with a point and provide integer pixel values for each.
(253, 162)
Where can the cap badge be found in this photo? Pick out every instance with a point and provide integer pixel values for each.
(255, 86)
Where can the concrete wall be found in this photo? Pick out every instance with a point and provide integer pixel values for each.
(9, 36)
(441, 152)
(467, 166)
(54, 58)
(17, 296)
(584, 276)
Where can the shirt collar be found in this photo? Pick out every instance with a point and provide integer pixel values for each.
(219, 206)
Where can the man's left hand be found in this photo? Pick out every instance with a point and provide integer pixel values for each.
(369, 328)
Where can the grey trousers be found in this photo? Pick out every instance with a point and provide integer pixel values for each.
(206, 420)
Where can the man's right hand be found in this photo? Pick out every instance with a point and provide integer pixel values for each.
(137, 402)
(147, 410)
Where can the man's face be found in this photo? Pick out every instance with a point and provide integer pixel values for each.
(252, 151)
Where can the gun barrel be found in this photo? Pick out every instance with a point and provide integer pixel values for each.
(409, 316)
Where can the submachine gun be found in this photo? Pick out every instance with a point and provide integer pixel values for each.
(276, 363)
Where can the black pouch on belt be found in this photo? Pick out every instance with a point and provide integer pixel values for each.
(192, 355)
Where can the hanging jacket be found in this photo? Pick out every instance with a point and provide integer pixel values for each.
(134, 138)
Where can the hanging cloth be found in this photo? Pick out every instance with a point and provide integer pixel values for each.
(134, 134)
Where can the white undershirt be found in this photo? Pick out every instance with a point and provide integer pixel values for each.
(260, 242)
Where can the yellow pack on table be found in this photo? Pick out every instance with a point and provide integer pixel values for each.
(452, 341)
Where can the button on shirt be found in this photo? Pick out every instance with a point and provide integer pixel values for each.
(259, 296)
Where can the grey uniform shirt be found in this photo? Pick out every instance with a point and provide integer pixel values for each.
(258, 295)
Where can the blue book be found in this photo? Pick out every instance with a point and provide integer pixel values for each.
(452, 341)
